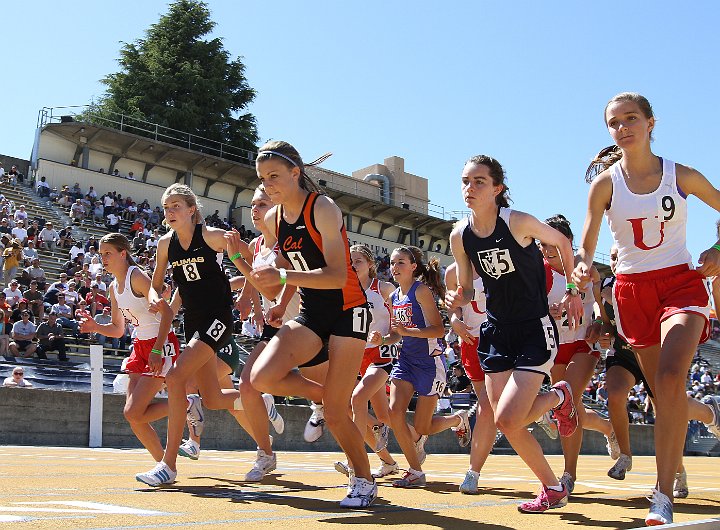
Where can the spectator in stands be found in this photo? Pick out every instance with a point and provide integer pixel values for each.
(102, 281)
(4, 337)
(33, 231)
(13, 294)
(97, 214)
(23, 334)
(5, 226)
(105, 317)
(77, 212)
(54, 195)
(20, 214)
(458, 381)
(19, 232)
(50, 338)
(76, 191)
(61, 284)
(66, 239)
(65, 199)
(22, 305)
(12, 256)
(43, 188)
(112, 221)
(108, 204)
(91, 242)
(73, 266)
(116, 173)
(92, 252)
(17, 378)
(35, 300)
(95, 300)
(76, 249)
(49, 237)
(35, 272)
(138, 242)
(30, 253)
(85, 289)
(92, 193)
(72, 297)
(65, 314)
(95, 265)
(131, 176)
(7, 311)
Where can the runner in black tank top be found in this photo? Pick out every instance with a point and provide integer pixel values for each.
(518, 342)
(313, 241)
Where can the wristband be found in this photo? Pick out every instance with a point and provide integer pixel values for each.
(235, 256)
(571, 285)
(716, 246)
(598, 321)
(156, 352)
(382, 340)
(283, 276)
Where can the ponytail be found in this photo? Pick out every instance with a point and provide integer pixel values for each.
(602, 161)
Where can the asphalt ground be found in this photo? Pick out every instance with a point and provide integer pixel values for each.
(63, 488)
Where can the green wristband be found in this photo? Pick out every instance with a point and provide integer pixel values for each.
(156, 352)
(571, 285)
(235, 256)
(716, 246)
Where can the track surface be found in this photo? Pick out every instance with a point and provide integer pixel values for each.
(63, 488)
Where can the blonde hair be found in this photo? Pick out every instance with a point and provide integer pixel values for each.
(368, 255)
(188, 195)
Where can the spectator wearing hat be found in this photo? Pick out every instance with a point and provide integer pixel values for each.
(49, 236)
(95, 300)
(19, 232)
(50, 338)
(17, 378)
(35, 299)
(23, 334)
(91, 242)
(13, 294)
(5, 226)
(12, 254)
(20, 214)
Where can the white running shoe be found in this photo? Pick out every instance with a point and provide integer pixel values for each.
(548, 425)
(622, 466)
(157, 476)
(714, 403)
(277, 421)
(362, 493)
(189, 449)
(381, 433)
(343, 467)
(680, 486)
(463, 431)
(195, 414)
(469, 486)
(315, 426)
(420, 448)
(385, 469)
(264, 464)
(613, 448)
(568, 482)
(411, 479)
(661, 509)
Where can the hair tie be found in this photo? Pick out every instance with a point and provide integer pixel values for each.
(261, 153)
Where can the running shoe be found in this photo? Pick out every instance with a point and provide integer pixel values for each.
(315, 426)
(469, 486)
(661, 509)
(411, 479)
(195, 414)
(382, 434)
(157, 476)
(189, 449)
(463, 431)
(343, 467)
(362, 493)
(420, 448)
(565, 414)
(613, 448)
(385, 469)
(680, 486)
(277, 421)
(568, 482)
(714, 403)
(264, 464)
(548, 425)
(622, 466)
(547, 499)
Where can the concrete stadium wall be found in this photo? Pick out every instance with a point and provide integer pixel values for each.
(60, 418)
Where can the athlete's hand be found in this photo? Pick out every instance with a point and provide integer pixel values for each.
(605, 339)
(88, 325)
(244, 307)
(375, 338)
(573, 309)
(556, 311)
(274, 315)
(160, 306)
(593, 332)
(266, 277)
(155, 362)
(461, 329)
(709, 262)
(455, 299)
(396, 327)
(257, 320)
(581, 275)
(235, 244)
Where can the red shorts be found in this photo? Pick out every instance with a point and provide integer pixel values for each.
(379, 356)
(567, 351)
(471, 360)
(645, 299)
(137, 363)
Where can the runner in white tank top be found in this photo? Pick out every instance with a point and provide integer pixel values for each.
(657, 294)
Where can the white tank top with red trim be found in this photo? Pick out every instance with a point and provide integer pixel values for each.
(267, 257)
(473, 314)
(378, 309)
(648, 229)
(135, 309)
(556, 292)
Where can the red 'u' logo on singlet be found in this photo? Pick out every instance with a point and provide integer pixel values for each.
(639, 236)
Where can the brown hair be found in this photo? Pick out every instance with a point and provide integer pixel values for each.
(368, 255)
(560, 223)
(428, 273)
(120, 243)
(188, 195)
(611, 154)
(497, 173)
(288, 155)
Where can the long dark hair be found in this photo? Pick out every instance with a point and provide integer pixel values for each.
(428, 273)
(288, 155)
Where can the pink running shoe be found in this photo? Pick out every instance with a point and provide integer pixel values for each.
(547, 499)
(565, 414)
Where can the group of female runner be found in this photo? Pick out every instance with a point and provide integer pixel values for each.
(518, 298)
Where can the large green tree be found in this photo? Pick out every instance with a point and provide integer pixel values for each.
(178, 78)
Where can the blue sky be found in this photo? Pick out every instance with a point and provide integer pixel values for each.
(434, 83)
